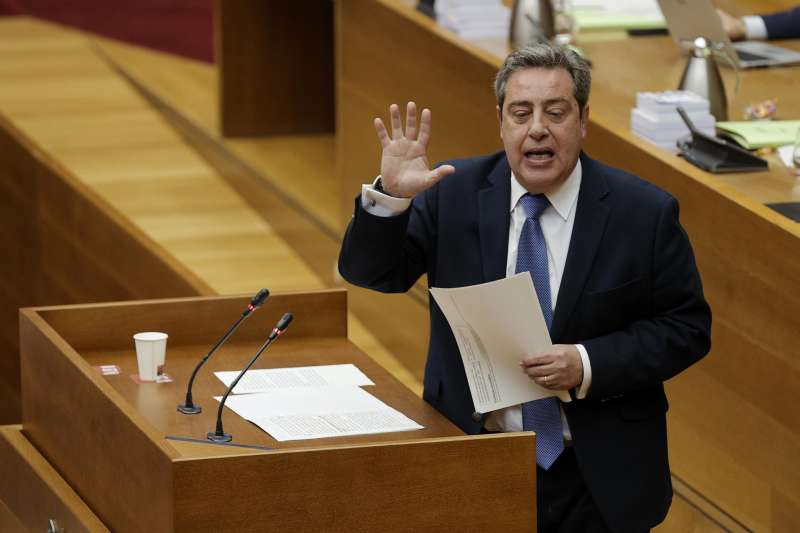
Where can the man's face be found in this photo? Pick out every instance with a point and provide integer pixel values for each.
(542, 127)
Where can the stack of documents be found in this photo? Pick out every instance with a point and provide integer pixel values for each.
(474, 19)
(312, 402)
(655, 117)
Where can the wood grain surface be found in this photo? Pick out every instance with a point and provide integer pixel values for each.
(275, 67)
(32, 487)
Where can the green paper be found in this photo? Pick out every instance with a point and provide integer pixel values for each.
(760, 133)
(597, 20)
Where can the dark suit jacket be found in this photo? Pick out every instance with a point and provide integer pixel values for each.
(783, 24)
(630, 293)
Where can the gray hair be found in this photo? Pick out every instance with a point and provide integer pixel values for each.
(545, 55)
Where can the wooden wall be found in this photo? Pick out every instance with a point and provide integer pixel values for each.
(275, 66)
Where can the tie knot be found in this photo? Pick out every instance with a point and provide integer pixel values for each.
(534, 204)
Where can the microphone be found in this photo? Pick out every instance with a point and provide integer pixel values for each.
(188, 407)
(219, 435)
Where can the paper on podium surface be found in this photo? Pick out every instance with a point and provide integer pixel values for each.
(265, 379)
(496, 325)
(318, 412)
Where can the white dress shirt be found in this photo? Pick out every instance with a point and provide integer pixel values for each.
(556, 222)
(754, 28)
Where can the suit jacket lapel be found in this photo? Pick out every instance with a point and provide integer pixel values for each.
(494, 218)
(590, 223)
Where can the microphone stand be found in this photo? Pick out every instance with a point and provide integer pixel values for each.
(188, 407)
(219, 435)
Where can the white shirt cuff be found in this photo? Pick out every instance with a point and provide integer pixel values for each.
(380, 204)
(583, 390)
(754, 28)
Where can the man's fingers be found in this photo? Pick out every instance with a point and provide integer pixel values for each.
(397, 126)
(537, 360)
(540, 371)
(411, 121)
(383, 135)
(424, 127)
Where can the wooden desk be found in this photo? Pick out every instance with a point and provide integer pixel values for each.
(105, 435)
(734, 430)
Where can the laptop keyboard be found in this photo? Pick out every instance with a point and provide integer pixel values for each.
(747, 56)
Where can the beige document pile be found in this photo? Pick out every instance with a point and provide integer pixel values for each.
(496, 325)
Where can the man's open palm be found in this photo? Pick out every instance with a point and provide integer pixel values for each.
(405, 171)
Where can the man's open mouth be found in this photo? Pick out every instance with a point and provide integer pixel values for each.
(539, 154)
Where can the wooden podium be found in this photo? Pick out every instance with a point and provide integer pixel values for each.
(106, 435)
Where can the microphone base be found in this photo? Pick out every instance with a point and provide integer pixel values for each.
(190, 409)
(215, 437)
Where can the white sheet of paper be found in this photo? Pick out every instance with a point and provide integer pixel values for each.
(786, 152)
(495, 325)
(315, 413)
(266, 379)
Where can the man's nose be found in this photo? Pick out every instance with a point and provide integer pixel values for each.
(537, 129)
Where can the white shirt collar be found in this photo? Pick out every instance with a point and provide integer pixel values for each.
(562, 198)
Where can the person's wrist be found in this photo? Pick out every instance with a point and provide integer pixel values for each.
(378, 186)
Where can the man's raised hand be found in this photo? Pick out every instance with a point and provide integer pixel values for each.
(405, 171)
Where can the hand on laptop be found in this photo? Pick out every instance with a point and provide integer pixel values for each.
(733, 26)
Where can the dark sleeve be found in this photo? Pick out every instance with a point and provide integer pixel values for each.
(389, 254)
(675, 335)
(784, 24)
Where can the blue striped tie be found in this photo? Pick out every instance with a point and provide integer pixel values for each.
(542, 416)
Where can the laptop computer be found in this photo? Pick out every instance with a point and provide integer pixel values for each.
(689, 19)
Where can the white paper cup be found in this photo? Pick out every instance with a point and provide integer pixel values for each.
(151, 349)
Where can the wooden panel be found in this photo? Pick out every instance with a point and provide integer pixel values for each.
(275, 66)
(74, 418)
(461, 484)
(317, 314)
(8, 521)
(34, 492)
(63, 245)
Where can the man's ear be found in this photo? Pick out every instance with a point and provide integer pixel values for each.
(499, 114)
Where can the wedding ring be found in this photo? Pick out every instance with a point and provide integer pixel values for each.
(545, 378)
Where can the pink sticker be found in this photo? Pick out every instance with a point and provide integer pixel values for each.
(108, 370)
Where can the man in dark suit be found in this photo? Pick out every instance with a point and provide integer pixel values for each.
(613, 270)
(778, 25)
